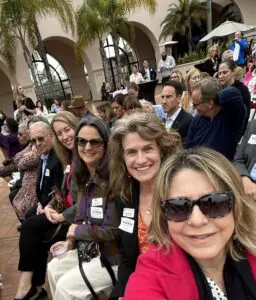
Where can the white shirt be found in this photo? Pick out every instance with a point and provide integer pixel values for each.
(169, 122)
(44, 158)
(169, 64)
(137, 78)
(147, 70)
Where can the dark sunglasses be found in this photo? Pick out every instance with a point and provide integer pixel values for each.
(38, 139)
(93, 142)
(213, 205)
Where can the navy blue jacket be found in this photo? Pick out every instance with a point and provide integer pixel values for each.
(223, 132)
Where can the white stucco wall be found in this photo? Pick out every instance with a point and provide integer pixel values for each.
(150, 25)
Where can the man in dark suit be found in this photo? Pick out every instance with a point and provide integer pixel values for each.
(50, 172)
(147, 72)
(177, 118)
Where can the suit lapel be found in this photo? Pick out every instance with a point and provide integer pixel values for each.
(176, 123)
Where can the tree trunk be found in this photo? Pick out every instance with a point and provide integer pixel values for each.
(104, 61)
(29, 61)
(190, 46)
(118, 61)
(42, 53)
(209, 20)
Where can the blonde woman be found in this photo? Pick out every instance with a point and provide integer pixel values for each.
(203, 233)
(192, 77)
(138, 145)
(211, 63)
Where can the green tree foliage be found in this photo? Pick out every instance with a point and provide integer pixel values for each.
(98, 18)
(181, 17)
(19, 27)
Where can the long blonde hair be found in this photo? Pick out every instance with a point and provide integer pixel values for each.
(62, 152)
(149, 127)
(224, 177)
(186, 96)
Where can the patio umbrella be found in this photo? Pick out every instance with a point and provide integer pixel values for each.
(227, 28)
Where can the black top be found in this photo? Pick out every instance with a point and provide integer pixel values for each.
(129, 244)
(28, 102)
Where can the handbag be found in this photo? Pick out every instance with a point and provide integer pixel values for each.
(58, 204)
(87, 250)
(57, 201)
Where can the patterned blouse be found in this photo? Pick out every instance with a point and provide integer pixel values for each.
(216, 291)
(142, 235)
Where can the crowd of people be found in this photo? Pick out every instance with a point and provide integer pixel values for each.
(134, 200)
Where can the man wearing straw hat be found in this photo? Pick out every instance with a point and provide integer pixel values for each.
(78, 107)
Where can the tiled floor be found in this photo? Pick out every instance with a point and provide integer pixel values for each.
(9, 252)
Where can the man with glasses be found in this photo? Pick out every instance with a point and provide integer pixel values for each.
(50, 172)
(220, 120)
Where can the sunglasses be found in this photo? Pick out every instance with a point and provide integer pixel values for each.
(213, 205)
(95, 143)
(38, 139)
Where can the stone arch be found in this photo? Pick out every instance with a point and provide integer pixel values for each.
(145, 44)
(6, 94)
(63, 49)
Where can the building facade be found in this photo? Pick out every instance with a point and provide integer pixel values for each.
(60, 45)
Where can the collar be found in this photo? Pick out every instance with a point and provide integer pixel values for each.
(174, 115)
(44, 156)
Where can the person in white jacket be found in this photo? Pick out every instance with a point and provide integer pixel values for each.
(165, 66)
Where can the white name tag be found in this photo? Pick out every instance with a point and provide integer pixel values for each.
(252, 139)
(127, 225)
(97, 202)
(47, 172)
(67, 169)
(97, 212)
(128, 212)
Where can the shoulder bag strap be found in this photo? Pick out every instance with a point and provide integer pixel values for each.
(107, 265)
(87, 282)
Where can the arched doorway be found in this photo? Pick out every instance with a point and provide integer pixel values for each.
(6, 95)
(62, 49)
(61, 82)
(128, 57)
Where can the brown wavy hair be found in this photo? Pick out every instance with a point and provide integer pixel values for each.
(149, 127)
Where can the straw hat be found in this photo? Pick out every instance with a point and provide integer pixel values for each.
(77, 101)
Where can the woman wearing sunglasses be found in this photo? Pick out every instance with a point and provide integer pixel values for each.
(89, 268)
(138, 145)
(40, 231)
(203, 233)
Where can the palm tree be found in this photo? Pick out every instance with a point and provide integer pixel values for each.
(98, 18)
(181, 17)
(18, 22)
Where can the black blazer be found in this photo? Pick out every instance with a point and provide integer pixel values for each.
(52, 177)
(152, 73)
(129, 244)
(182, 122)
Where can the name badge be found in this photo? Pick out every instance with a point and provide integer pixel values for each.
(67, 169)
(252, 139)
(127, 225)
(253, 172)
(97, 212)
(47, 173)
(128, 212)
(97, 202)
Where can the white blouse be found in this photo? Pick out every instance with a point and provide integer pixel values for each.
(137, 78)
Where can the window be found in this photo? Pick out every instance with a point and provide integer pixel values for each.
(128, 57)
(61, 82)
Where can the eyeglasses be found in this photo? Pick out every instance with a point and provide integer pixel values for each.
(174, 77)
(196, 104)
(95, 143)
(39, 139)
(214, 205)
